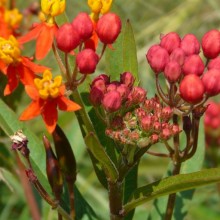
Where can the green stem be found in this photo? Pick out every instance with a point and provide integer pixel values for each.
(115, 200)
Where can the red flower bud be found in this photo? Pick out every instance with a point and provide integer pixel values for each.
(83, 25)
(137, 95)
(67, 38)
(170, 41)
(157, 57)
(190, 44)
(211, 81)
(123, 90)
(103, 79)
(108, 28)
(127, 78)
(178, 55)
(172, 71)
(95, 96)
(214, 64)
(193, 65)
(146, 123)
(192, 89)
(111, 101)
(86, 61)
(211, 44)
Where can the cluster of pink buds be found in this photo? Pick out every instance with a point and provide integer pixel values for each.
(131, 118)
(83, 31)
(182, 66)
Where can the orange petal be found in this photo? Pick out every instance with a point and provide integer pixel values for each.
(32, 66)
(65, 104)
(32, 34)
(3, 67)
(44, 41)
(33, 110)
(12, 80)
(26, 75)
(50, 115)
(32, 92)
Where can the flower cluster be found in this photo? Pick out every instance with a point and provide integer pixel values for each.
(131, 117)
(182, 65)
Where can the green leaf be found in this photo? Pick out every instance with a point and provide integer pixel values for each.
(171, 185)
(99, 153)
(123, 56)
(10, 124)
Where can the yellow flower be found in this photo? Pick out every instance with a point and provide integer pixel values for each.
(47, 87)
(13, 17)
(9, 50)
(100, 6)
(53, 7)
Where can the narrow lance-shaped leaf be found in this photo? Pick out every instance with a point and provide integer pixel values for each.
(171, 185)
(99, 153)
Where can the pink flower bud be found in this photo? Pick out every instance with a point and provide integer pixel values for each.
(157, 57)
(111, 101)
(111, 87)
(154, 138)
(214, 64)
(192, 89)
(95, 96)
(178, 55)
(193, 65)
(103, 77)
(165, 134)
(108, 28)
(137, 95)
(86, 61)
(123, 90)
(67, 38)
(172, 71)
(127, 78)
(211, 81)
(166, 113)
(211, 44)
(190, 44)
(170, 42)
(146, 123)
(83, 25)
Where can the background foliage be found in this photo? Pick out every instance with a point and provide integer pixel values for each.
(149, 19)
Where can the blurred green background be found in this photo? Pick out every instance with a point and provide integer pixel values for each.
(149, 19)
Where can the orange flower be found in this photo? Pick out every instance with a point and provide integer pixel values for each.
(15, 66)
(47, 94)
(44, 34)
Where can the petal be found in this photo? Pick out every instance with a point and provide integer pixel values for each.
(26, 75)
(50, 115)
(65, 104)
(32, 34)
(44, 41)
(33, 110)
(12, 80)
(32, 66)
(3, 67)
(32, 92)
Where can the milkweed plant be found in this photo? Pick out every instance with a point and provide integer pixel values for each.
(119, 122)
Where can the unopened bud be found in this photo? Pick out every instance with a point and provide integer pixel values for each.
(86, 61)
(111, 101)
(211, 44)
(192, 89)
(67, 38)
(214, 63)
(127, 78)
(193, 65)
(108, 28)
(82, 23)
(178, 55)
(172, 71)
(170, 41)
(211, 81)
(190, 44)
(95, 96)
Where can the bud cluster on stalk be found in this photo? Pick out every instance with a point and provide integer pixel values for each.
(130, 117)
(84, 34)
(191, 68)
